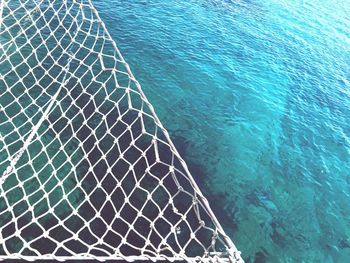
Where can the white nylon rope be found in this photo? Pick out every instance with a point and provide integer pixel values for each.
(92, 36)
(232, 248)
(14, 159)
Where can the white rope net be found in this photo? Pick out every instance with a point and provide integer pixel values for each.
(87, 170)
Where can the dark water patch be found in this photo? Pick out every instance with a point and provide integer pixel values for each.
(225, 217)
(278, 234)
(225, 213)
(260, 257)
(343, 243)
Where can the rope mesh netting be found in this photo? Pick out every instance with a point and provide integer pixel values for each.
(87, 170)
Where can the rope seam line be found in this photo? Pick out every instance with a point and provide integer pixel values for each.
(13, 160)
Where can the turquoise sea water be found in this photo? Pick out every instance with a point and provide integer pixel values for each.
(256, 95)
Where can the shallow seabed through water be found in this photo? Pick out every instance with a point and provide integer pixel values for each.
(256, 95)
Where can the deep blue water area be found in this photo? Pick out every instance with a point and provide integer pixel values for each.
(256, 96)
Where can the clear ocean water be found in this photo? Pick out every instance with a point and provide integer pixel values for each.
(256, 96)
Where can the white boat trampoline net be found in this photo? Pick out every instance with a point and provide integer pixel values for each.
(87, 170)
